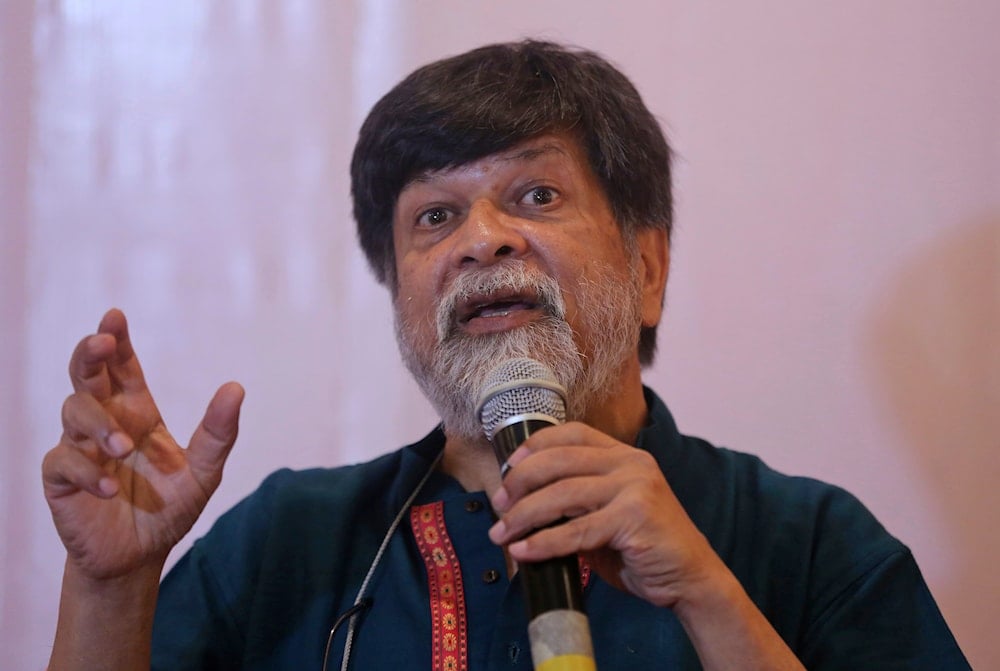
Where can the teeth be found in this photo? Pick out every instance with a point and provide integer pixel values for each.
(494, 312)
(499, 309)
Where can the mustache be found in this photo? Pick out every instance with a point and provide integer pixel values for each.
(513, 276)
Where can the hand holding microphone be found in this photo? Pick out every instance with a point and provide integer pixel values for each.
(624, 517)
(520, 397)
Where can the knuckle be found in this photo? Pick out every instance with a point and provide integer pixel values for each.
(48, 460)
(69, 403)
(580, 533)
(515, 525)
(56, 464)
(512, 483)
(636, 502)
(640, 459)
(564, 490)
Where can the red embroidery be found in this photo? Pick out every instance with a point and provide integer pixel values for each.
(449, 633)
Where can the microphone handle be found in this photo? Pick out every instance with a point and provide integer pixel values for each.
(552, 584)
(558, 627)
(508, 438)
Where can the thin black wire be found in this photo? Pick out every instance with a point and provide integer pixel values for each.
(347, 615)
(363, 602)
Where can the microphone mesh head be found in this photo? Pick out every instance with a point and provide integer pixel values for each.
(520, 387)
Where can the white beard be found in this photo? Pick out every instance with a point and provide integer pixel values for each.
(453, 369)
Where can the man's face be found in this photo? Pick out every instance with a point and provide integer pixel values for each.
(516, 254)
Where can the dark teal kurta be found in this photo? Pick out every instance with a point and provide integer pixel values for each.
(263, 587)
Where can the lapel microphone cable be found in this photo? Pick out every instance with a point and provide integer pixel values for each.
(362, 602)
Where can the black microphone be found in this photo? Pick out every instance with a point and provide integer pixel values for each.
(522, 396)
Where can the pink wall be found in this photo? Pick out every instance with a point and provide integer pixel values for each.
(835, 294)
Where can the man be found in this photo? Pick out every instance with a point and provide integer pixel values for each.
(515, 200)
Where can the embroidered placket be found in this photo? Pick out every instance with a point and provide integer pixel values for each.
(449, 626)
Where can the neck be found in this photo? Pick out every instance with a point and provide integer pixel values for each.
(472, 463)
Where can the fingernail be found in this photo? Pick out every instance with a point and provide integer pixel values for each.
(500, 499)
(108, 486)
(497, 532)
(119, 444)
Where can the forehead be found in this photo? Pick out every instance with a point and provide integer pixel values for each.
(556, 150)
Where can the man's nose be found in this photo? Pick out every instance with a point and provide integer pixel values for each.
(489, 235)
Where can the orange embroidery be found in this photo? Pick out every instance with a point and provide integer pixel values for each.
(449, 634)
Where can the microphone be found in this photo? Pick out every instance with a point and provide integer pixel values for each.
(519, 397)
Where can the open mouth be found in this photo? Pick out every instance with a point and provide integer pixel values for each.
(495, 307)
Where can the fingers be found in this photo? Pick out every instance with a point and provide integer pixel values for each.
(573, 433)
(578, 535)
(123, 364)
(214, 438)
(85, 420)
(91, 437)
(105, 361)
(67, 470)
(558, 519)
(560, 503)
(563, 452)
(88, 369)
(560, 498)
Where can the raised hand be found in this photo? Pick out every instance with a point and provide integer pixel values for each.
(121, 490)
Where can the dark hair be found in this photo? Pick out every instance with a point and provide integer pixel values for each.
(460, 109)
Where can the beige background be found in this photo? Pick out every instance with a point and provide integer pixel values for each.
(835, 298)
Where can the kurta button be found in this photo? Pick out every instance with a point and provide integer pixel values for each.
(473, 506)
(490, 576)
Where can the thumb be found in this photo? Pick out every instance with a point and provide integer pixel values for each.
(214, 437)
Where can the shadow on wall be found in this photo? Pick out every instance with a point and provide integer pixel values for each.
(935, 346)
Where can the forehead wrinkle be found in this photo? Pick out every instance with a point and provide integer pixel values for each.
(525, 155)
(529, 154)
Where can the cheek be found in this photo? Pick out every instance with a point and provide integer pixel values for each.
(409, 309)
(415, 306)
(409, 274)
(422, 277)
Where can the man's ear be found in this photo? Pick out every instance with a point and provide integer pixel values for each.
(654, 260)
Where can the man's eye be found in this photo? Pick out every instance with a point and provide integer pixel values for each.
(433, 217)
(540, 195)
